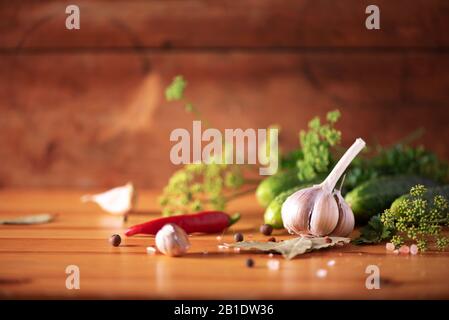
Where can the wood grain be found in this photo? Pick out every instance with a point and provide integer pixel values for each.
(100, 119)
(33, 260)
(224, 24)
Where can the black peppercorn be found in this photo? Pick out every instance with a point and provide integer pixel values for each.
(115, 240)
(238, 237)
(266, 229)
(249, 263)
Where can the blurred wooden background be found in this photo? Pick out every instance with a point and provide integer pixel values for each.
(85, 108)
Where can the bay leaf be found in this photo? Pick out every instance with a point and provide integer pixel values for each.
(292, 247)
(31, 219)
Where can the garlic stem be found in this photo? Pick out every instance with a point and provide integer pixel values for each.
(342, 165)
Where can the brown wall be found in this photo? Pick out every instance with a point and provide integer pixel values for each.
(85, 108)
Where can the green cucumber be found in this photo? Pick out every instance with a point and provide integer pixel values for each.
(376, 195)
(429, 195)
(273, 214)
(270, 187)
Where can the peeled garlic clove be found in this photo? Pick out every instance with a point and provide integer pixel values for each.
(346, 220)
(119, 200)
(172, 240)
(324, 216)
(297, 208)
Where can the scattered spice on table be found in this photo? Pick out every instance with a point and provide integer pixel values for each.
(266, 229)
(272, 239)
(151, 250)
(321, 273)
(273, 264)
(249, 263)
(115, 240)
(404, 249)
(238, 237)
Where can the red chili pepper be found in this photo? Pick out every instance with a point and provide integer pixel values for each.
(203, 222)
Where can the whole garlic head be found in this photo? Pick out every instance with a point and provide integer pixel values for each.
(172, 240)
(320, 210)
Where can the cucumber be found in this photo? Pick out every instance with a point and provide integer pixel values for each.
(376, 195)
(270, 187)
(429, 195)
(273, 214)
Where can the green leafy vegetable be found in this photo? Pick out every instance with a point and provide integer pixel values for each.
(373, 232)
(416, 219)
(397, 160)
(292, 247)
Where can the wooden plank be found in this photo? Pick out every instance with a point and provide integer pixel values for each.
(224, 24)
(80, 120)
(33, 260)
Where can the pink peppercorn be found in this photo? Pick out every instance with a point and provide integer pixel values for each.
(404, 249)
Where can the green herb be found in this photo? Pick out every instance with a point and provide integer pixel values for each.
(416, 219)
(315, 145)
(197, 187)
(397, 160)
(373, 232)
(292, 247)
(175, 91)
(200, 186)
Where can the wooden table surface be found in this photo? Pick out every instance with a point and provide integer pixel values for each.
(33, 259)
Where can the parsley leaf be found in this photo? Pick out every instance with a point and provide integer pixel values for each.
(374, 232)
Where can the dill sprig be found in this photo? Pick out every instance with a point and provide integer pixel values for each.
(201, 186)
(418, 220)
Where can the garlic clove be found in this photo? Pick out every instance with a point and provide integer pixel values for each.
(119, 200)
(324, 217)
(346, 220)
(297, 208)
(172, 240)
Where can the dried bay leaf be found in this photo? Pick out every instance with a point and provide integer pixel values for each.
(31, 219)
(292, 247)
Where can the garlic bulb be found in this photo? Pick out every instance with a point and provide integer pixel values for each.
(320, 210)
(172, 240)
(119, 200)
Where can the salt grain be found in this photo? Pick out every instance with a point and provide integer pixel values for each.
(270, 255)
(222, 247)
(389, 246)
(414, 249)
(236, 249)
(331, 263)
(219, 238)
(151, 250)
(321, 273)
(273, 264)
